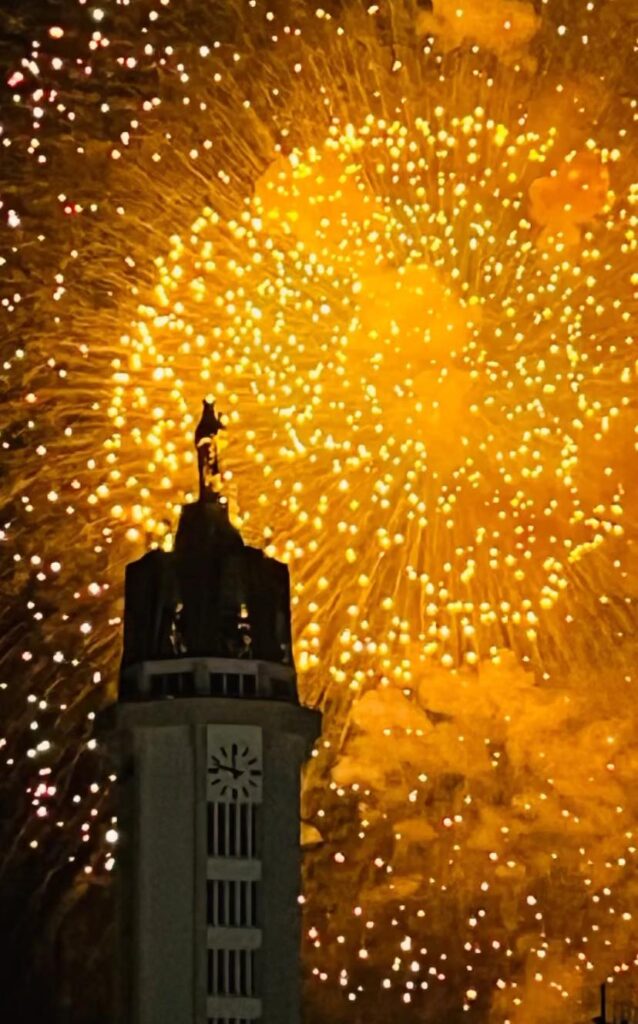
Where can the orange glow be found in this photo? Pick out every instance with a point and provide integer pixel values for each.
(398, 244)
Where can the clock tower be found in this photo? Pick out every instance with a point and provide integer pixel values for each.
(211, 740)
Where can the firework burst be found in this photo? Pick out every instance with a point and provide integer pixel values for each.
(398, 245)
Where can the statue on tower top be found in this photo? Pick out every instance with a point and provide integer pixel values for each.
(213, 595)
(208, 445)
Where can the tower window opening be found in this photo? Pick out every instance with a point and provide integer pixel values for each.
(233, 688)
(217, 684)
(232, 684)
(173, 684)
(232, 830)
(231, 903)
(249, 686)
(231, 972)
(231, 1020)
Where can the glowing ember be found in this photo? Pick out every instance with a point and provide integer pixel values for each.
(399, 245)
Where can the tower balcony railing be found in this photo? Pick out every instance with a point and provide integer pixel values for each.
(177, 678)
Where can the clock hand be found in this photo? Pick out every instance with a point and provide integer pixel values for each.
(218, 766)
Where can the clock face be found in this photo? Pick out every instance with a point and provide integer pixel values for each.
(234, 764)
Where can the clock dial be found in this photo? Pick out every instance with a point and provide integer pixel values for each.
(234, 764)
(235, 769)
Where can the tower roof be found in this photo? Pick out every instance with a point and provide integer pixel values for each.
(213, 596)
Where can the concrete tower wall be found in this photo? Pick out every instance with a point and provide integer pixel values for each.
(181, 866)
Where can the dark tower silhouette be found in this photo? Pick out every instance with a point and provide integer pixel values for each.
(212, 739)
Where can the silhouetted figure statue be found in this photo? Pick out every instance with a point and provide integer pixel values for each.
(207, 446)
